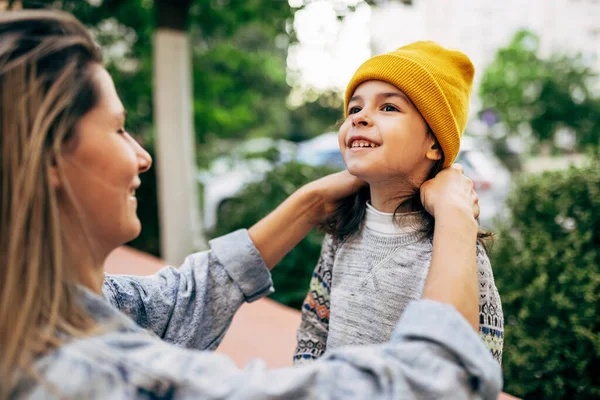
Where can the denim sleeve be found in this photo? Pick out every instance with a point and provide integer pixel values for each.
(433, 354)
(193, 305)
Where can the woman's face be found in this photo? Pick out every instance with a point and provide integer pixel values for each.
(103, 168)
(385, 137)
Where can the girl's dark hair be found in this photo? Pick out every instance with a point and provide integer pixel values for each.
(350, 213)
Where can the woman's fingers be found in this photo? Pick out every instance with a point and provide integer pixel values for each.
(329, 190)
(458, 167)
(337, 186)
(448, 190)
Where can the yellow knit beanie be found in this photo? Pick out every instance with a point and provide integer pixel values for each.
(437, 80)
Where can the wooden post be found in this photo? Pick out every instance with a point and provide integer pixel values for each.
(179, 215)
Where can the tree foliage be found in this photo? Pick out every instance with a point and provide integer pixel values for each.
(318, 114)
(240, 87)
(542, 96)
(547, 266)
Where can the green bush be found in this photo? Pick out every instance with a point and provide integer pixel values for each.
(547, 266)
(292, 275)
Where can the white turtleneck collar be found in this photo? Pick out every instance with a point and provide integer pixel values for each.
(383, 223)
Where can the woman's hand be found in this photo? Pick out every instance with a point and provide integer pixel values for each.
(448, 191)
(327, 191)
(277, 233)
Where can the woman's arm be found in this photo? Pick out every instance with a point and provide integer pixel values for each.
(278, 233)
(433, 354)
(452, 279)
(193, 305)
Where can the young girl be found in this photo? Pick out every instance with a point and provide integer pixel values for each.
(405, 114)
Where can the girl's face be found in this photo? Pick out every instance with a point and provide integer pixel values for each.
(102, 169)
(385, 138)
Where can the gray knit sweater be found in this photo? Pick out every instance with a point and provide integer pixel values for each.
(361, 286)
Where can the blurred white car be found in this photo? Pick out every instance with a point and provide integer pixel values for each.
(321, 150)
(246, 163)
(490, 178)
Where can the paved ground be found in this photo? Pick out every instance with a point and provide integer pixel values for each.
(263, 329)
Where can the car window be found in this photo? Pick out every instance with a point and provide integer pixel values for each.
(334, 159)
(480, 163)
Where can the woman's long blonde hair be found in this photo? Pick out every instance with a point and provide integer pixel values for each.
(45, 88)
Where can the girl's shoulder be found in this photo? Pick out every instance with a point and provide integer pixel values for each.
(333, 242)
(482, 253)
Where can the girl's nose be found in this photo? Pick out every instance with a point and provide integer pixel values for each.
(360, 118)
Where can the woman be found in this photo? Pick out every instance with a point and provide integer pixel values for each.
(69, 171)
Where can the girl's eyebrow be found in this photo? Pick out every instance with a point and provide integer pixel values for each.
(354, 98)
(384, 96)
(394, 94)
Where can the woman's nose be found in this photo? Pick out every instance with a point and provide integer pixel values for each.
(143, 157)
(144, 160)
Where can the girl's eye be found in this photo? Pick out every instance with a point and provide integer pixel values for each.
(354, 110)
(390, 107)
(121, 131)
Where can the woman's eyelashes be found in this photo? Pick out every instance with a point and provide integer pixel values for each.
(121, 131)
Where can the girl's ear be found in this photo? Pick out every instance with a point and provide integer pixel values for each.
(434, 153)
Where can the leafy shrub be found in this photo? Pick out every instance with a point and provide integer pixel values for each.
(292, 275)
(547, 260)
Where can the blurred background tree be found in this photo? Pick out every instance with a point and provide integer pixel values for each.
(318, 114)
(538, 99)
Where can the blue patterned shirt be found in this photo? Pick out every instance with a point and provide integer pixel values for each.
(158, 332)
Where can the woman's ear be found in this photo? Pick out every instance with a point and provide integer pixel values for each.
(53, 175)
(434, 153)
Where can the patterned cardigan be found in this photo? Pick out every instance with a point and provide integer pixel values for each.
(313, 331)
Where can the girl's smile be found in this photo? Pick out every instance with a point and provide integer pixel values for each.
(358, 143)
